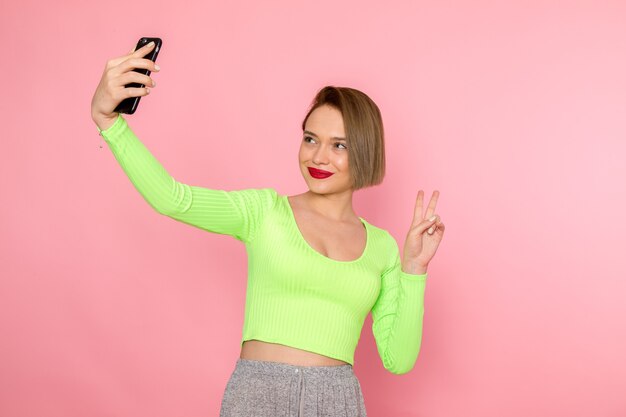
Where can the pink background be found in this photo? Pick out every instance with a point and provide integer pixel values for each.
(515, 111)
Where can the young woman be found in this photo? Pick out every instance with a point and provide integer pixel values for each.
(316, 269)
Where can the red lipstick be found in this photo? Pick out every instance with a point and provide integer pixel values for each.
(319, 173)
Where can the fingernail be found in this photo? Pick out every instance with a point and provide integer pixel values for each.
(156, 67)
(151, 43)
(432, 218)
(430, 231)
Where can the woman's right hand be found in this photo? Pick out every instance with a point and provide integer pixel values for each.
(111, 91)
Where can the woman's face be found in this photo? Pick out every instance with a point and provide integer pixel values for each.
(323, 152)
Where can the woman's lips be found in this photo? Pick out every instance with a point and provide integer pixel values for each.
(319, 173)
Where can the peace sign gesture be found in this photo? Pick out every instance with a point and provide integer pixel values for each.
(423, 237)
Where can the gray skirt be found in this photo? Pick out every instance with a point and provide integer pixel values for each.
(276, 389)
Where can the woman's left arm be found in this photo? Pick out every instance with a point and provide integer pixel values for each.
(397, 316)
(398, 312)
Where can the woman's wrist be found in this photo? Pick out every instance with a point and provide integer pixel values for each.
(104, 123)
(414, 268)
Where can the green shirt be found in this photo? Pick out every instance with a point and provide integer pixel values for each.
(295, 295)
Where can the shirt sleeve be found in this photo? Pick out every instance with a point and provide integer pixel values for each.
(236, 213)
(397, 316)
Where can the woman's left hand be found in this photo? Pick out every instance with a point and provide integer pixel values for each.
(423, 237)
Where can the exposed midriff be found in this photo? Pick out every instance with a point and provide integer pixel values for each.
(274, 352)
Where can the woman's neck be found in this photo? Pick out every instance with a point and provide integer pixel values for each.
(337, 206)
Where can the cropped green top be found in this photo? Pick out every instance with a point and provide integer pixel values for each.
(295, 295)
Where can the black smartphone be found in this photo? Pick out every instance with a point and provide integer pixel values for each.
(129, 105)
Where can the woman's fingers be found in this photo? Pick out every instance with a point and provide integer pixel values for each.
(135, 92)
(143, 50)
(124, 93)
(432, 204)
(131, 63)
(134, 77)
(114, 62)
(437, 226)
(123, 73)
(417, 211)
(143, 63)
(419, 202)
(419, 228)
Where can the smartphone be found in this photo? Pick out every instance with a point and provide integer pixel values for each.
(129, 105)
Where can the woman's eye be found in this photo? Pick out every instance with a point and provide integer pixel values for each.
(341, 144)
(308, 138)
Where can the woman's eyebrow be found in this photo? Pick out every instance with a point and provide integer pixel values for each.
(334, 137)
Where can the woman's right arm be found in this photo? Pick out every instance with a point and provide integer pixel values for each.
(236, 213)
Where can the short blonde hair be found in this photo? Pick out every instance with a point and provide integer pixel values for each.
(365, 135)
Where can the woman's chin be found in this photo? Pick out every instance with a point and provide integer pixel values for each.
(320, 188)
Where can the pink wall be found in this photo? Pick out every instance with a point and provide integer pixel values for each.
(514, 111)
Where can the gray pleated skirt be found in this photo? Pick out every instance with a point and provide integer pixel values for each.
(276, 389)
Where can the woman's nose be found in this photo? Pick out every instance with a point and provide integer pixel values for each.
(321, 155)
